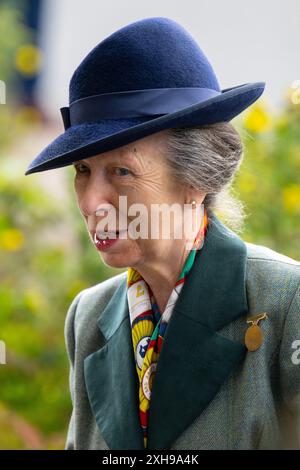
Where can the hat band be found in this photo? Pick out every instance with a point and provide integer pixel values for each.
(136, 103)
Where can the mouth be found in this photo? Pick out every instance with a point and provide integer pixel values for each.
(106, 235)
(106, 239)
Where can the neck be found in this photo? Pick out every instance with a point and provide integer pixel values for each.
(161, 276)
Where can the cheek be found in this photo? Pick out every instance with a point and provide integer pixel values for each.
(78, 195)
(84, 207)
(78, 187)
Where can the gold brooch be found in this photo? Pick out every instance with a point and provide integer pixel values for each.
(254, 335)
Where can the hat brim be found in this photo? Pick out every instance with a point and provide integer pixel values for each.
(87, 140)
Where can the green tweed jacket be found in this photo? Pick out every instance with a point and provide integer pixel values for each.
(209, 391)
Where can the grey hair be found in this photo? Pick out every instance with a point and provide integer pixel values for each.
(207, 158)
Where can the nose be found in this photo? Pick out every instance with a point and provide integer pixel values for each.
(97, 192)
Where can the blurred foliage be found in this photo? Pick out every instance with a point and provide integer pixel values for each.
(46, 259)
(20, 58)
(13, 35)
(268, 181)
(46, 256)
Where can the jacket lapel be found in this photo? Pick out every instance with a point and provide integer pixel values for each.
(195, 359)
(111, 378)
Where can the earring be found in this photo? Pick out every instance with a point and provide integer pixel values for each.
(197, 240)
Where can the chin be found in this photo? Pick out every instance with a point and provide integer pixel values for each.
(116, 260)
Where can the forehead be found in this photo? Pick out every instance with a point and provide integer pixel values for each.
(113, 155)
(133, 152)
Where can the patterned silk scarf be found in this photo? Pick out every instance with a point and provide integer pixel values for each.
(148, 326)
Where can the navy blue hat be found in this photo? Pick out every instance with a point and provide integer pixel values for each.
(147, 76)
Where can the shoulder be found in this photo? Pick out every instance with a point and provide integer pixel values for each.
(99, 294)
(263, 253)
(272, 279)
(85, 308)
(264, 262)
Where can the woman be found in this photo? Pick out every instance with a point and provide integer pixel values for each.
(194, 346)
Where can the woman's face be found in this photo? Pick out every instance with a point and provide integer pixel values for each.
(139, 172)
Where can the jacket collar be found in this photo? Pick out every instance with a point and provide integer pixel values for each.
(194, 361)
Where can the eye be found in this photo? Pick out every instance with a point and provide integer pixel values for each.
(120, 171)
(80, 168)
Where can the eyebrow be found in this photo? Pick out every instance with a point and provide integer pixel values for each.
(128, 156)
(78, 161)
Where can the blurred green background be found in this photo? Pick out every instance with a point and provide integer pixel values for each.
(46, 256)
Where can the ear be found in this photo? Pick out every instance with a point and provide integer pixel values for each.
(193, 194)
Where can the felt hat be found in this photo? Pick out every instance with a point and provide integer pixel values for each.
(147, 76)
